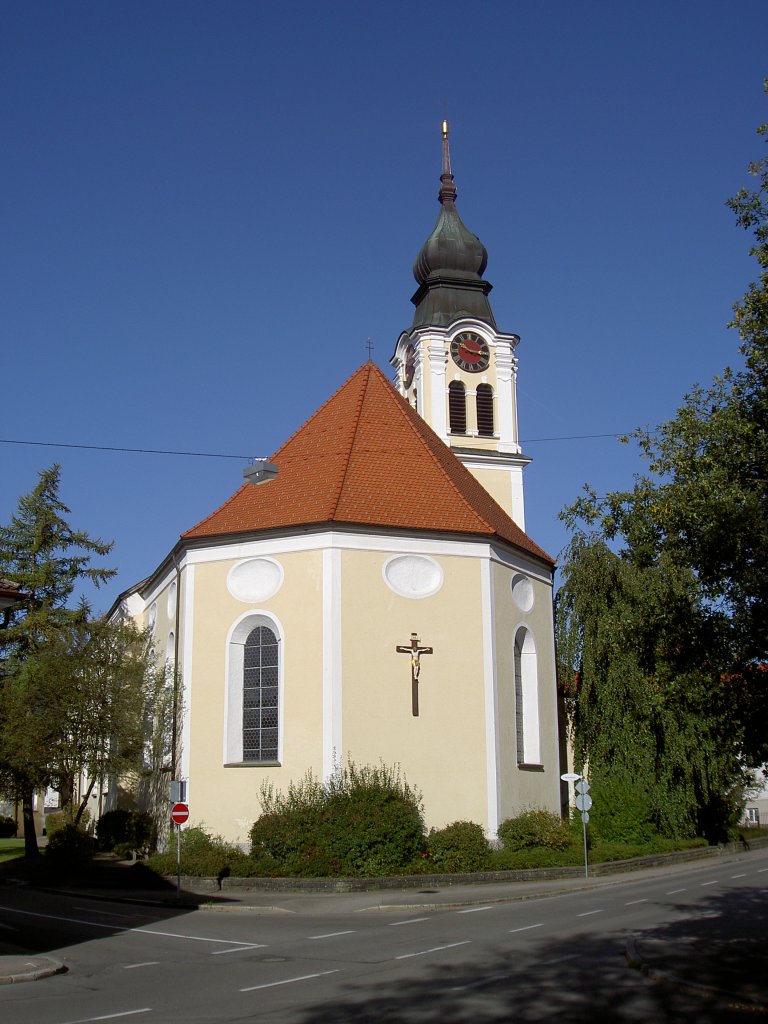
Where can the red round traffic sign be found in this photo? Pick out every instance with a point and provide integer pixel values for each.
(179, 813)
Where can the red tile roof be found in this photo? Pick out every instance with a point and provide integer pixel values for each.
(366, 458)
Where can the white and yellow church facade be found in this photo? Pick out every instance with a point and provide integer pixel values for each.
(370, 593)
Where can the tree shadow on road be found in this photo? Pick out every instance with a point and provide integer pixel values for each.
(709, 967)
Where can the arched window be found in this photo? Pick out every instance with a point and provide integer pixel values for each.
(252, 720)
(260, 688)
(526, 699)
(485, 410)
(457, 407)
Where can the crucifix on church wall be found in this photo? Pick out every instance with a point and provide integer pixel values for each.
(415, 651)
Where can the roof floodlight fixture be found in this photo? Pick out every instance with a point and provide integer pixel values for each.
(260, 471)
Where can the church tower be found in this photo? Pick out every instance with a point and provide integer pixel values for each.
(454, 365)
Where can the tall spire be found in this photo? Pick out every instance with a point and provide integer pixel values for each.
(451, 263)
(447, 193)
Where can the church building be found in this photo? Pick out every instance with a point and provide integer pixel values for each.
(370, 592)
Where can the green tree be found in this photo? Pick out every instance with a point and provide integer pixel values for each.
(47, 558)
(663, 613)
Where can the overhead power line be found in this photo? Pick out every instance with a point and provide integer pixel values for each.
(225, 455)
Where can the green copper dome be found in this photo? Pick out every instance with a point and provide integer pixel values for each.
(450, 265)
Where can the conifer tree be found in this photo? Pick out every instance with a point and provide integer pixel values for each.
(47, 559)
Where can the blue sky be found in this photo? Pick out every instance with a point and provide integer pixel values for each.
(208, 208)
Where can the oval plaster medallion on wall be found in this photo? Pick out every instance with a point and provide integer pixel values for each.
(413, 575)
(255, 580)
(152, 617)
(522, 592)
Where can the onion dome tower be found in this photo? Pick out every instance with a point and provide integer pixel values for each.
(454, 365)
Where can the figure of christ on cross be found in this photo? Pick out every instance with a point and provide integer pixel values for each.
(415, 652)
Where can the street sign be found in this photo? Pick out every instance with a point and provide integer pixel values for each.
(585, 817)
(583, 801)
(582, 787)
(570, 777)
(179, 814)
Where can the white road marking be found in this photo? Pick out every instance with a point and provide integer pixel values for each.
(559, 959)
(331, 935)
(633, 902)
(136, 931)
(479, 984)
(673, 891)
(527, 928)
(147, 963)
(587, 913)
(761, 870)
(235, 949)
(111, 1016)
(411, 920)
(288, 981)
(473, 910)
(742, 875)
(434, 949)
(713, 882)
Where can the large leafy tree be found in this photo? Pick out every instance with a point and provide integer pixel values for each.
(663, 612)
(47, 559)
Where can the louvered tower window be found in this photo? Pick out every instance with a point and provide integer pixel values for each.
(485, 410)
(260, 695)
(457, 407)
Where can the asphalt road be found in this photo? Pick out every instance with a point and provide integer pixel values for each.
(683, 944)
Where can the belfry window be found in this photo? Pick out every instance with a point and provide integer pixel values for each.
(457, 407)
(485, 410)
(260, 695)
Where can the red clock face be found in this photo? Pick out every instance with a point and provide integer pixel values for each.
(470, 352)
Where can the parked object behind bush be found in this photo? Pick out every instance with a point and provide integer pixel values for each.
(124, 831)
(7, 827)
(460, 846)
(535, 827)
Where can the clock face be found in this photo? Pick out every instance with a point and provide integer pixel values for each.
(470, 352)
(410, 366)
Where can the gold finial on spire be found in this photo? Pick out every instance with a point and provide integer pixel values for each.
(447, 188)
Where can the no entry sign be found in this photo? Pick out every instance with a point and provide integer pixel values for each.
(179, 813)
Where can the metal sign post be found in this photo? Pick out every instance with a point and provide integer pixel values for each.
(583, 803)
(179, 814)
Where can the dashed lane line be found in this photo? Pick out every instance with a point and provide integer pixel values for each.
(332, 935)
(473, 910)
(434, 949)
(633, 902)
(288, 981)
(526, 928)
(588, 913)
(410, 920)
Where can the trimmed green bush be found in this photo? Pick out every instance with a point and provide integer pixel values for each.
(363, 821)
(460, 846)
(535, 827)
(201, 854)
(7, 827)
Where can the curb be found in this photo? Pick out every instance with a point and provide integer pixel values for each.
(19, 968)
